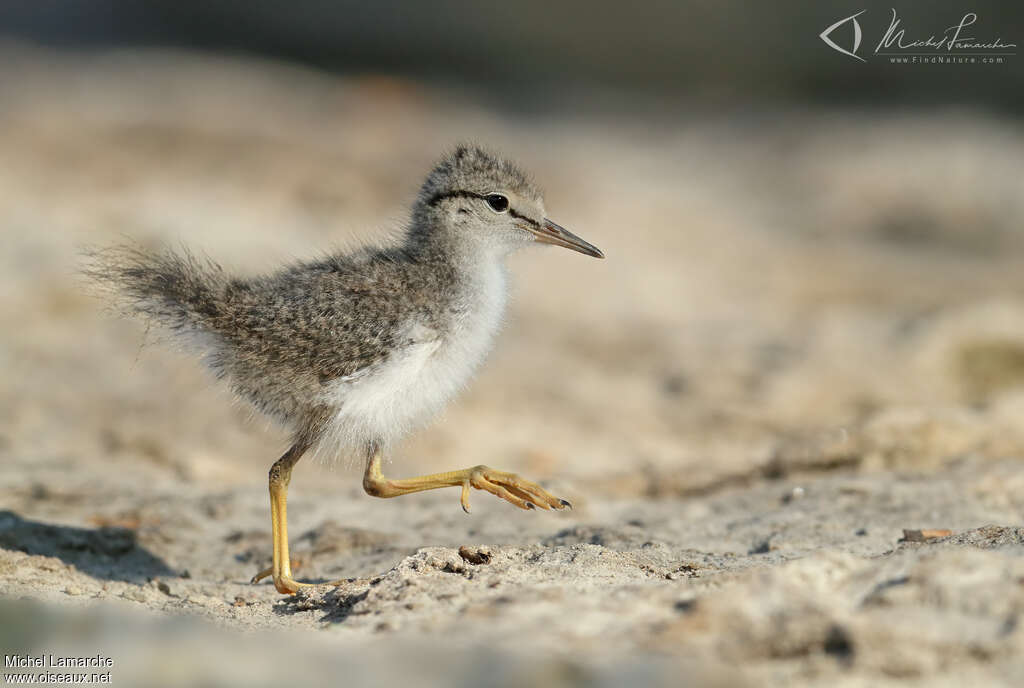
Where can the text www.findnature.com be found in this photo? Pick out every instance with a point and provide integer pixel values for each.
(945, 59)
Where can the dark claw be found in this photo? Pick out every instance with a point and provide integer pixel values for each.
(465, 509)
(566, 502)
(531, 505)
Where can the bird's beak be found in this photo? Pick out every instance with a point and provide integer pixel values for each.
(550, 233)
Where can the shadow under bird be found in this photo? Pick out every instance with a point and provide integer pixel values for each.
(351, 351)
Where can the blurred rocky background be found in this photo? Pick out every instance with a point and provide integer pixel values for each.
(788, 406)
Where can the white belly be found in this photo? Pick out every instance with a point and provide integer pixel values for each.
(381, 403)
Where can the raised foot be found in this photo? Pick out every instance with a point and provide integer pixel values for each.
(510, 487)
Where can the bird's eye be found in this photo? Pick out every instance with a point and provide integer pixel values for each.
(498, 203)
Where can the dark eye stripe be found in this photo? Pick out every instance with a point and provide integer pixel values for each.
(462, 193)
(518, 216)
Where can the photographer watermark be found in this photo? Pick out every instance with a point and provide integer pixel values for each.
(956, 44)
(48, 669)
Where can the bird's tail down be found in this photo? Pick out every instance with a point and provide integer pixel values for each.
(172, 288)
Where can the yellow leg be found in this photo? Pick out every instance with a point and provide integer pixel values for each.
(280, 477)
(507, 486)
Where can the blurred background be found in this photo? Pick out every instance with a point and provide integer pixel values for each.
(808, 335)
(537, 55)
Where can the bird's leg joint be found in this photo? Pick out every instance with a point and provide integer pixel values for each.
(374, 482)
(376, 485)
(280, 473)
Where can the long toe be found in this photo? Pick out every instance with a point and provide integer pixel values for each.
(523, 493)
(481, 482)
(531, 491)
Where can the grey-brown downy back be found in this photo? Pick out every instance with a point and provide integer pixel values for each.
(282, 339)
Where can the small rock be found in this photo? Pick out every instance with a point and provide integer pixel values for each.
(683, 571)
(925, 535)
(476, 556)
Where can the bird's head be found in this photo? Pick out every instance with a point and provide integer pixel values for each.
(487, 201)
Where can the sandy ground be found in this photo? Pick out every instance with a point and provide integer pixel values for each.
(807, 338)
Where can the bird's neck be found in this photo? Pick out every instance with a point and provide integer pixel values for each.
(468, 253)
(475, 270)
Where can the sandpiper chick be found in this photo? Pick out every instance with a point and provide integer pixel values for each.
(351, 351)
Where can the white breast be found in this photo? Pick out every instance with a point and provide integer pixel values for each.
(383, 402)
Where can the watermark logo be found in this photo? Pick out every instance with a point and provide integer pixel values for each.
(826, 36)
(957, 44)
